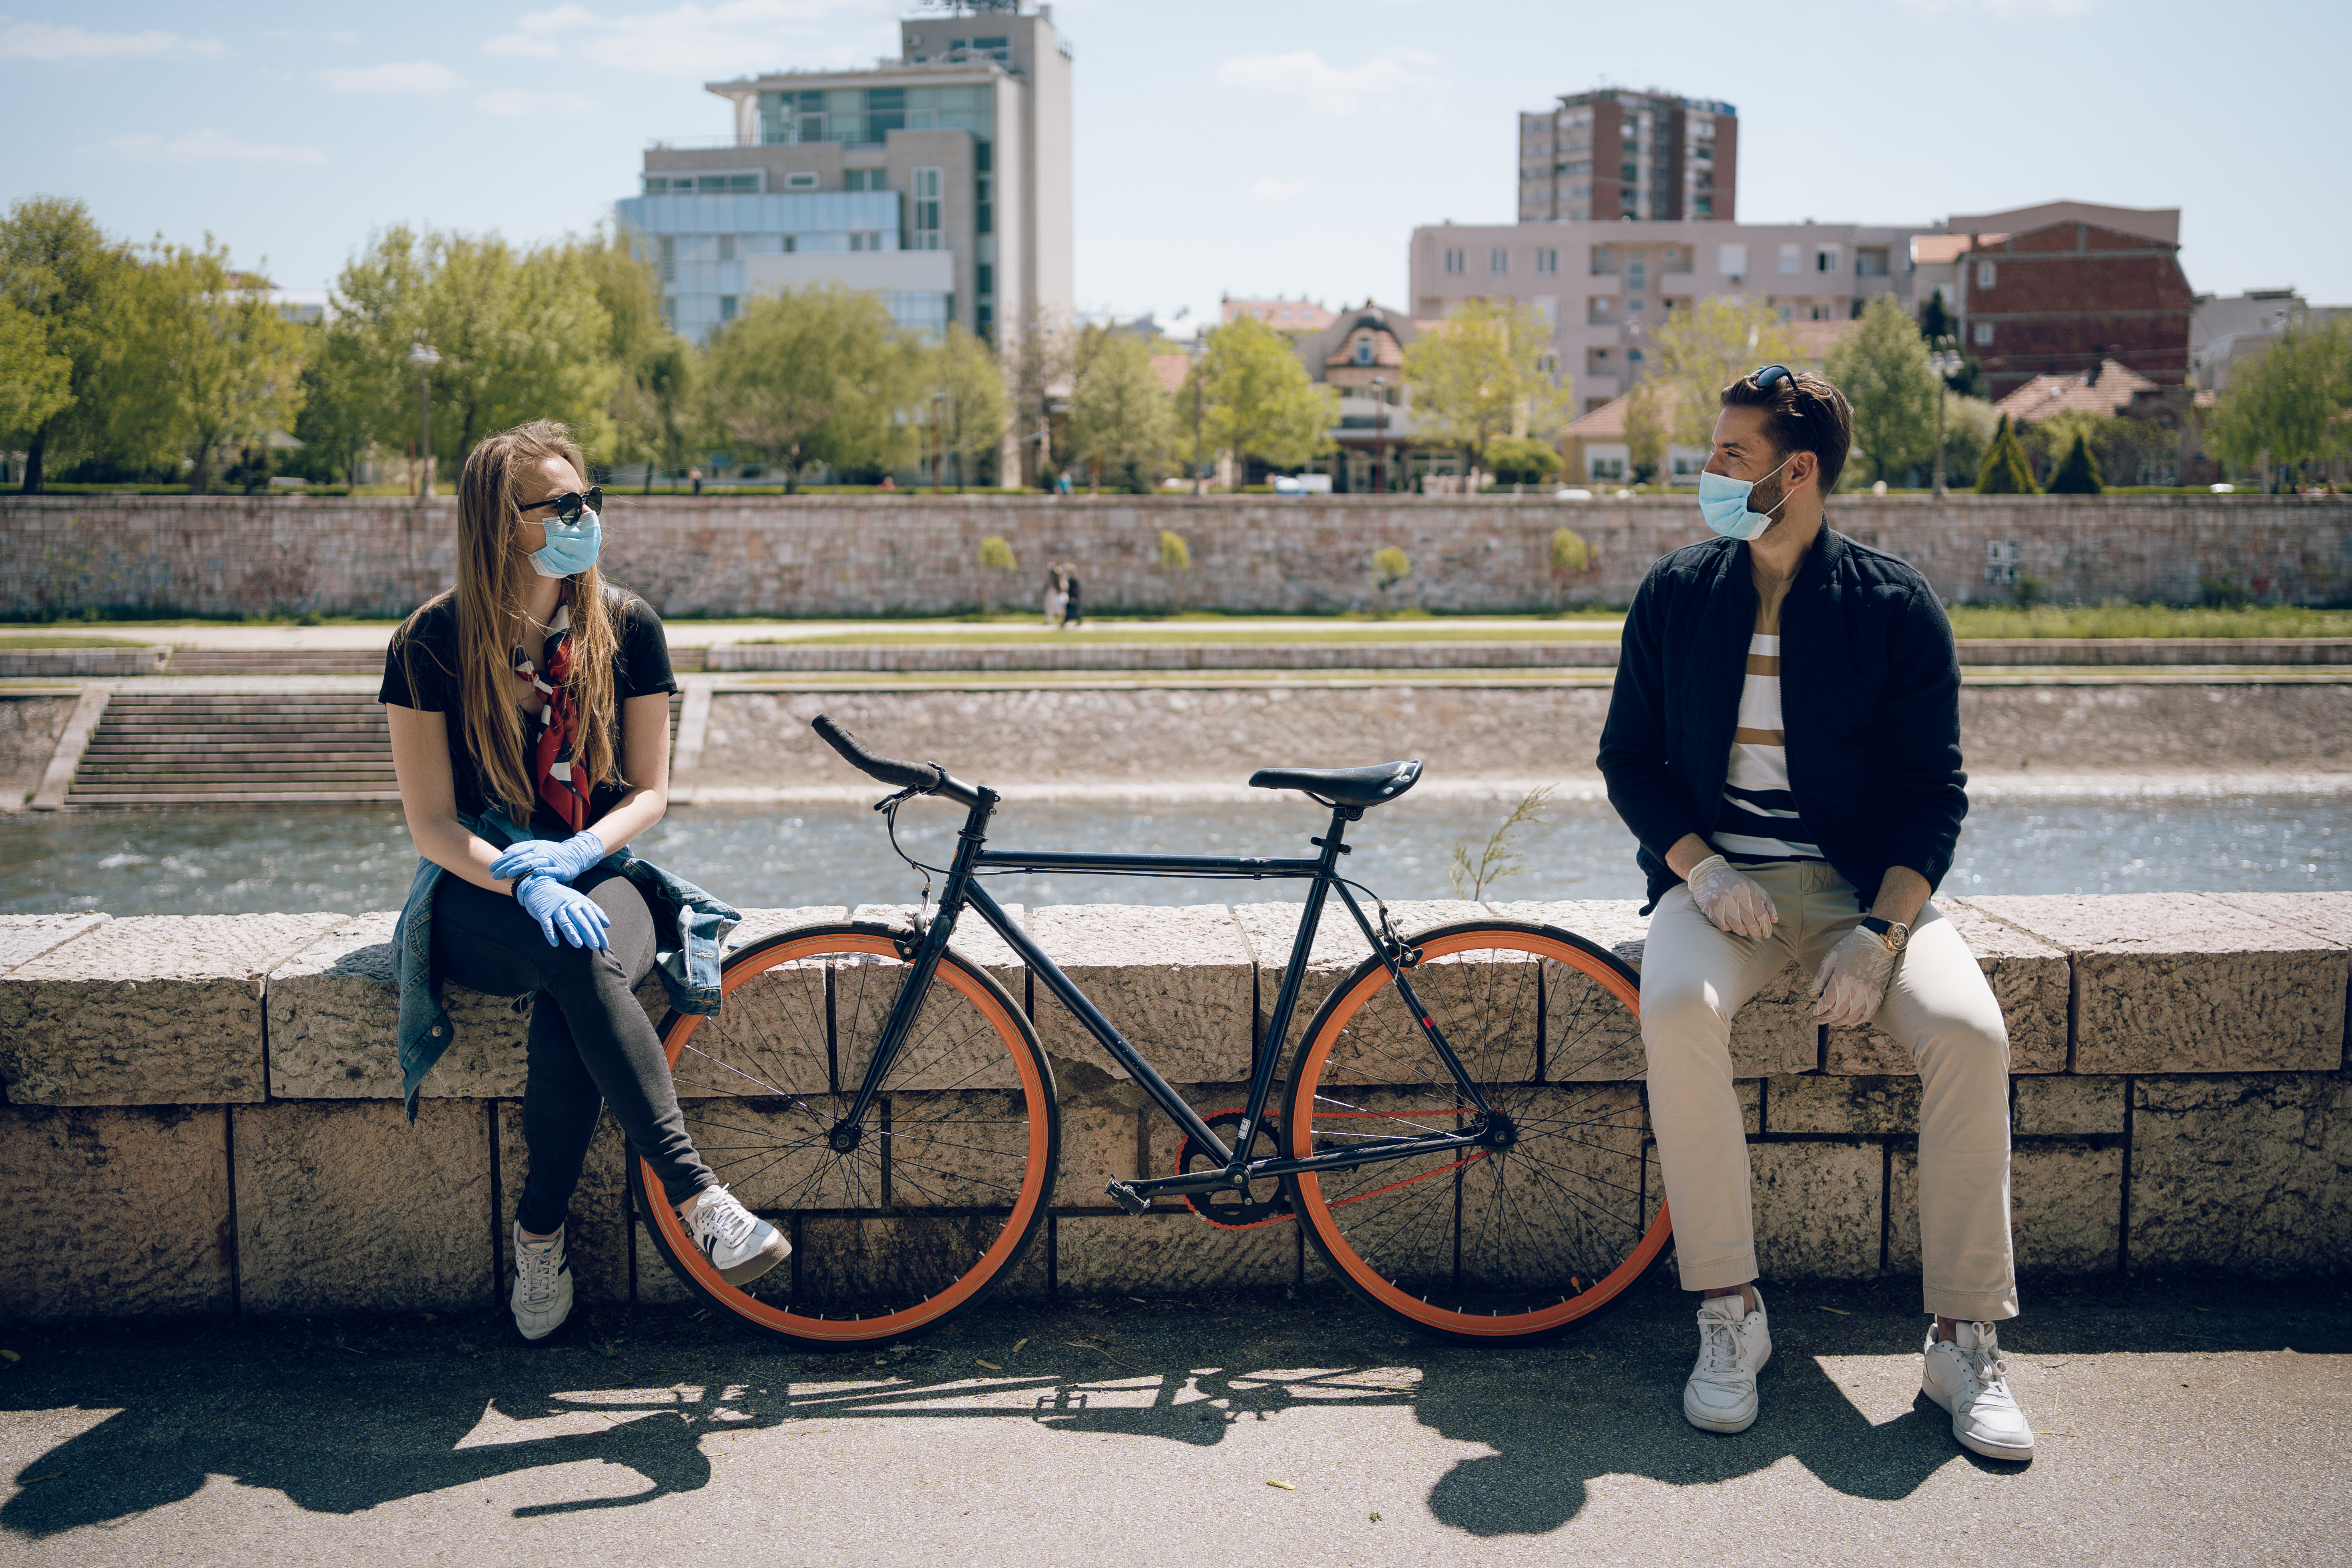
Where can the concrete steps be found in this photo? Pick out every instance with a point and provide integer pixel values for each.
(227, 749)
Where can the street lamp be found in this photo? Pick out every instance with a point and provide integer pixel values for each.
(1945, 360)
(423, 356)
(1381, 437)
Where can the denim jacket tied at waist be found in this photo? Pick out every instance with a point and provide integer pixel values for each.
(690, 928)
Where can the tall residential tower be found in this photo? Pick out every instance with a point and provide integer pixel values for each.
(940, 180)
(1610, 153)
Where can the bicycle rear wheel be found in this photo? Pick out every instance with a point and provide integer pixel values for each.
(933, 1204)
(1533, 1233)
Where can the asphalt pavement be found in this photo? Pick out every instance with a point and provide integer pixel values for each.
(2187, 1420)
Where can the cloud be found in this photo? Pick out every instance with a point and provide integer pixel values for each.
(695, 40)
(64, 41)
(421, 79)
(515, 102)
(1271, 190)
(1329, 88)
(204, 146)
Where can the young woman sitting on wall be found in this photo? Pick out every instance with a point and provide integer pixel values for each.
(529, 715)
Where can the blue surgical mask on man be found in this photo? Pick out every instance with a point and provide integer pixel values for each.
(1723, 502)
(571, 547)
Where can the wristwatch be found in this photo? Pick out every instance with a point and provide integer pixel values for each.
(1894, 933)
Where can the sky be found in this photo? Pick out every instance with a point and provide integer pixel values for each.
(1220, 147)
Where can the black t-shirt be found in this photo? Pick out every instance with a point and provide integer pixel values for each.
(640, 667)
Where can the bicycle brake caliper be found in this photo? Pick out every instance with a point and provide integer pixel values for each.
(1397, 952)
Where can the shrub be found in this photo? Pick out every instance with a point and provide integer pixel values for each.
(2223, 592)
(2005, 472)
(2078, 472)
(1520, 460)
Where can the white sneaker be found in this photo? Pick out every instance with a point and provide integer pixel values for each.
(1732, 1346)
(542, 1287)
(1967, 1376)
(740, 1244)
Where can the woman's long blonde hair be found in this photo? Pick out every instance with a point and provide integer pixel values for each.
(491, 572)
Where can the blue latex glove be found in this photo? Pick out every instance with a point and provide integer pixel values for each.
(562, 859)
(557, 907)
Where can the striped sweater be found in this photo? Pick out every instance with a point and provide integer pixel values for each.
(1759, 819)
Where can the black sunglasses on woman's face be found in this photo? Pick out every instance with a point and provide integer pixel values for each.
(571, 503)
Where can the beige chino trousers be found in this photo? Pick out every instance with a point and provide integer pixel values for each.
(1696, 977)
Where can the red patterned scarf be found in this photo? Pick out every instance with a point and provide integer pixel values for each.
(562, 783)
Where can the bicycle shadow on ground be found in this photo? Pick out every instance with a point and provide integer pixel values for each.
(343, 1418)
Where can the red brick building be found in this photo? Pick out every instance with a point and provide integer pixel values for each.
(2064, 297)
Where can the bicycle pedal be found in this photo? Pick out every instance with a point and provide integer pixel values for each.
(1126, 1198)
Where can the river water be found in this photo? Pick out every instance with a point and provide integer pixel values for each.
(247, 861)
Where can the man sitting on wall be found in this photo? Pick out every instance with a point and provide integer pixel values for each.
(1784, 740)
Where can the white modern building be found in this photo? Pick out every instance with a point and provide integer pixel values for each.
(941, 181)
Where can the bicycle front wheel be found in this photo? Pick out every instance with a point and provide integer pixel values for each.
(929, 1205)
(1549, 1221)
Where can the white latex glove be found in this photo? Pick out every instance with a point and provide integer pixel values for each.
(1852, 980)
(1733, 902)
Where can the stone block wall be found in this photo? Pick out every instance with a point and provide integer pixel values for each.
(824, 555)
(201, 1114)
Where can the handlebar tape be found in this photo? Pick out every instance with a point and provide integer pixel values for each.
(888, 769)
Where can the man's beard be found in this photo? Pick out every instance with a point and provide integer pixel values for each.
(1757, 501)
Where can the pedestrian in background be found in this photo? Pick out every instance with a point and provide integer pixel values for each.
(1056, 596)
(1073, 606)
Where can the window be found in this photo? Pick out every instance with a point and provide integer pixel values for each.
(1547, 308)
(1364, 349)
(1870, 261)
(727, 307)
(1498, 259)
(800, 182)
(1608, 468)
(865, 180)
(669, 257)
(1983, 333)
(791, 244)
(1825, 259)
(1703, 207)
(864, 239)
(983, 279)
(1984, 274)
(726, 247)
(1453, 262)
(1788, 258)
(926, 209)
(669, 311)
(1546, 260)
(1629, 173)
(1732, 260)
(1604, 260)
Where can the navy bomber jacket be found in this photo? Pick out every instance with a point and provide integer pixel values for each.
(1870, 688)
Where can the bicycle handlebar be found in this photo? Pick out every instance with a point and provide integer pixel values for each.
(928, 777)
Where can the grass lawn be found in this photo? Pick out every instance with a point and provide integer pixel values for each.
(20, 640)
(2147, 621)
(1313, 632)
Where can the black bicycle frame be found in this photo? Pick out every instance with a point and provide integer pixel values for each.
(1234, 1167)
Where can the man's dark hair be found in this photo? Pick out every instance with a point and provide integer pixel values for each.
(1802, 413)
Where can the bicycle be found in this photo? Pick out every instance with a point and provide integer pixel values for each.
(1461, 1131)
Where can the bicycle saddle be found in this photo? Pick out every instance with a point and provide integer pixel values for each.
(1343, 786)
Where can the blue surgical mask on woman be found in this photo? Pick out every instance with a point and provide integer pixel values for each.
(571, 547)
(1723, 502)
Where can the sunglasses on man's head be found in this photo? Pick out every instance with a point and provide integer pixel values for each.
(571, 504)
(1765, 375)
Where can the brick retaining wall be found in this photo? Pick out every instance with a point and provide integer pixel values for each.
(202, 1113)
(824, 556)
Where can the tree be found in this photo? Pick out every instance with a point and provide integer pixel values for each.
(2078, 472)
(1391, 567)
(1648, 418)
(814, 376)
(1121, 419)
(33, 380)
(1696, 353)
(995, 556)
(2285, 408)
(1483, 373)
(1882, 367)
(968, 390)
(58, 267)
(1043, 362)
(1969, 427)
(2005, 472)
(521, 334)
(225, 364)
(649, 405)
(1176, 560)
(1257, 399)
(1522, 460)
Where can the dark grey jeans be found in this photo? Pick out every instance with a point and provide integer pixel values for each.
(590, 1045)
